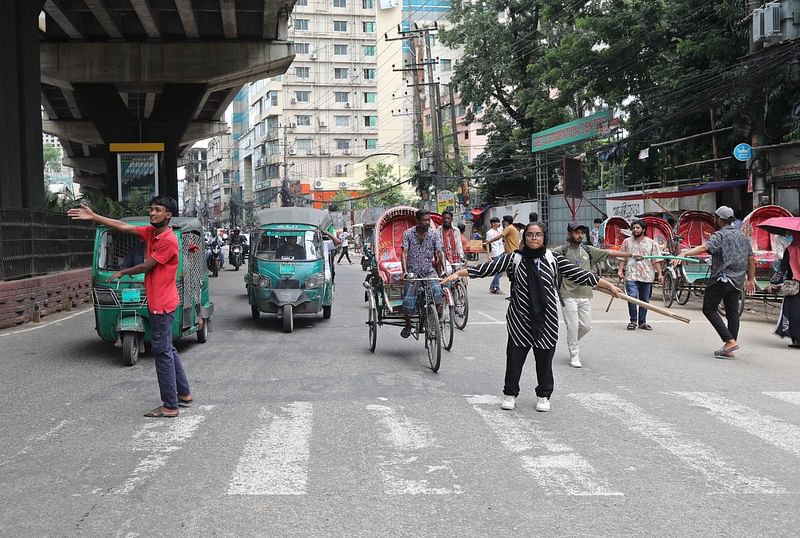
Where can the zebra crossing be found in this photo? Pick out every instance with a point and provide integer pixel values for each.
(412, 454)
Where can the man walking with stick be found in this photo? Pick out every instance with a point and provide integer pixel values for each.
(731, 261)
(640, 274)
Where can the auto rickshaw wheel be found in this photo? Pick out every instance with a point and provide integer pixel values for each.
(130, 348)
(254, 312)
(326, 311)
(202, 334)
(288, 318)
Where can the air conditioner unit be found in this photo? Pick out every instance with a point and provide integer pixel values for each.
(309, 152)
(292, 151)
(293, 101)
(347, 105)
(324, 151)
(313, 56)
(339, 169)
(322, 124)
(347, 152)
(318, 184)
(772, 20)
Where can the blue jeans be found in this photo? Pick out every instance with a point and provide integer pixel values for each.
(495, 285)
(641, 291)
(171, 377)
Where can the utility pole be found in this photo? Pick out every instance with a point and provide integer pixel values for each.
(285, 198)
(435, 104)
(754, 164)
(456, 149)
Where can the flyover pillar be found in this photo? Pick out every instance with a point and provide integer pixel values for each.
(21, 167)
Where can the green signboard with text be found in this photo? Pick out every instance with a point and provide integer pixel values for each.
(571, 132)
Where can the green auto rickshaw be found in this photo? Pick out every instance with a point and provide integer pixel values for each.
(289, 271)
(120, 306)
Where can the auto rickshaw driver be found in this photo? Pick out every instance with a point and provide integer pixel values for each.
(290, 249)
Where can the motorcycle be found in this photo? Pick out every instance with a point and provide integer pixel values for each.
(236, 256)
(214, 259)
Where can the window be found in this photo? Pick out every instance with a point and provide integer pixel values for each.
(342, 143)
(370, 74)
(273, 98)
(340, 73)
(368, 4)
(445, 65)
(340, 50)
(370, 97)
(304, 144)
(302, 72)
(339, 3)
(339, 26)
(301, 3)
(301, 24)
(368, 27)
(461, 110)
(370, 143)
(227, 190)
(272, 170)
(342, 121)
(301, 48)
(369, 50)
(341, 97)
(370, 121)
(302, 97)
(303, 120)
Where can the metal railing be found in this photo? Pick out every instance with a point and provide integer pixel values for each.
(34, 243)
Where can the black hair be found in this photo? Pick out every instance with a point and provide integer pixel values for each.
(493, 220)
(344, 229)
(640, 222)
(422, 213)
(508, 218)
(461, 227)
(533, 216)
(539, 225)
(166, 201)
(447, 212)
(598, 221)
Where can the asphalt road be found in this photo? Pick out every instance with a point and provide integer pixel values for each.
(309, 434)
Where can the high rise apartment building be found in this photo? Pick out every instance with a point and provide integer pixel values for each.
(310, 124)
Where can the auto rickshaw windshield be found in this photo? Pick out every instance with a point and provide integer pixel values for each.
(289, 245)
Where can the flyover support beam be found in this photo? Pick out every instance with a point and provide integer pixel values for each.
(21, 168)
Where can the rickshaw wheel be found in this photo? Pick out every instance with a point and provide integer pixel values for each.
(448, 327)
(373, 329)
(202, 334)
(433, 338)
(130, 348)
(288, 319)
(326, 311)
(682, 295)
(254, 312)
(461, 300)
(668, 289)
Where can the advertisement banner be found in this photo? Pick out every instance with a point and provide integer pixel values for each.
(445, 200)
(571, 132)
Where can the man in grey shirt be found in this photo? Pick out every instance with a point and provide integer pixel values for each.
(733, 269)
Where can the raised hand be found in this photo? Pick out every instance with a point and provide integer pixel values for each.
(83, 212)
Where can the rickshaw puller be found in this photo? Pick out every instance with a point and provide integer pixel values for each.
(422, 248)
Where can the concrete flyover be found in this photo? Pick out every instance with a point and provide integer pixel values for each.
(98, 72)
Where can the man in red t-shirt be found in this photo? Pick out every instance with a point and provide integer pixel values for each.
(160, 267)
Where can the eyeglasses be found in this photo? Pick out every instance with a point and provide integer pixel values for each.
(534, 235)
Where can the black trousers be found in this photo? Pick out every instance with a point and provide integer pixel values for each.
(515, 360)
(726, 293)
(344, 253)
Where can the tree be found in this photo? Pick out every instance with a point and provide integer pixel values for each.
(379, 179)
(51, 156)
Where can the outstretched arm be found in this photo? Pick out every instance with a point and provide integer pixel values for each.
(84, 212)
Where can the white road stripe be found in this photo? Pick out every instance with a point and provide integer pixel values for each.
(275, 458)
(780, 434)
(408, 470)
(43, 325)
(160, 439)
(788, 397)
(559, 472)
(697, 455)
(41, 438)
(489, 317)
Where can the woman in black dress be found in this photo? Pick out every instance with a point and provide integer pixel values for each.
(789, 320)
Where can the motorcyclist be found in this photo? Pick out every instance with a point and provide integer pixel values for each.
(215, 239)
(236, 238)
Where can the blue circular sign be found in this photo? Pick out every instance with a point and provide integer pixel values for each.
(742, 152)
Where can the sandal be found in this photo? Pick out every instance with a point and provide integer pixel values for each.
(723, 354)
(406, 332)
(185, 403)
(631, 326)
(158, 412)
(645, 327)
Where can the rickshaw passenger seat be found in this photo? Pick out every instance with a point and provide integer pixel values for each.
(390, 271)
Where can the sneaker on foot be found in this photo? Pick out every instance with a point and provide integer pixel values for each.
(575, 362)
(543, 405)
(508, 402)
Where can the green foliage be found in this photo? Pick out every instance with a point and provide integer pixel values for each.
(378, 180)
(100, 204)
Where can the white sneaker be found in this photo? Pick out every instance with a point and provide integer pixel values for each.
(543, 405)
(508, 402)
(575, 361)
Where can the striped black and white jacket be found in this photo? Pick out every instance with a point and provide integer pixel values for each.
(519, 329)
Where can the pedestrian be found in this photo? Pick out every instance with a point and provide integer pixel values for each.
(495, 250)
(532, 316)
(462, 229)
(640, 273)
(450, 237)
(731, 261)
(423, 257)
(594, 235)
(160, 268)
(533, 216)
(329, 244)
(577, 299)
(344, 237)
(788, 275)
(509, 235)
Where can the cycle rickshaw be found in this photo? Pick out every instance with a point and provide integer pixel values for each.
(385, 284)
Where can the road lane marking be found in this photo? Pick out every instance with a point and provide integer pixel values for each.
(408, 470)
(699, 456)
(559, 472)
(594, 322)
(275, 459)
(41, 438)
(779, 434)
(788, 397)
(489, 317)
(43, 325)
(160, 439)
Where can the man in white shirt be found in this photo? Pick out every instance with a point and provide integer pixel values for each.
(495, 250)
(344, 237)
(639, 272)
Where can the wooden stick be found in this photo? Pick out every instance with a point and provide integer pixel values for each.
(609, 304)
(657, 309)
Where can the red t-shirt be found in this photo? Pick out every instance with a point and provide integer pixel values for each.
(159, 283)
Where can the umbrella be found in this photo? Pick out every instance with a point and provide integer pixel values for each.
(781, 225)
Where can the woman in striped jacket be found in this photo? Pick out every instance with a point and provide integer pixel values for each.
(532, 317)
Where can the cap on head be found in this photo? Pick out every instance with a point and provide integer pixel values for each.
(575, 226)
(724, 212)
